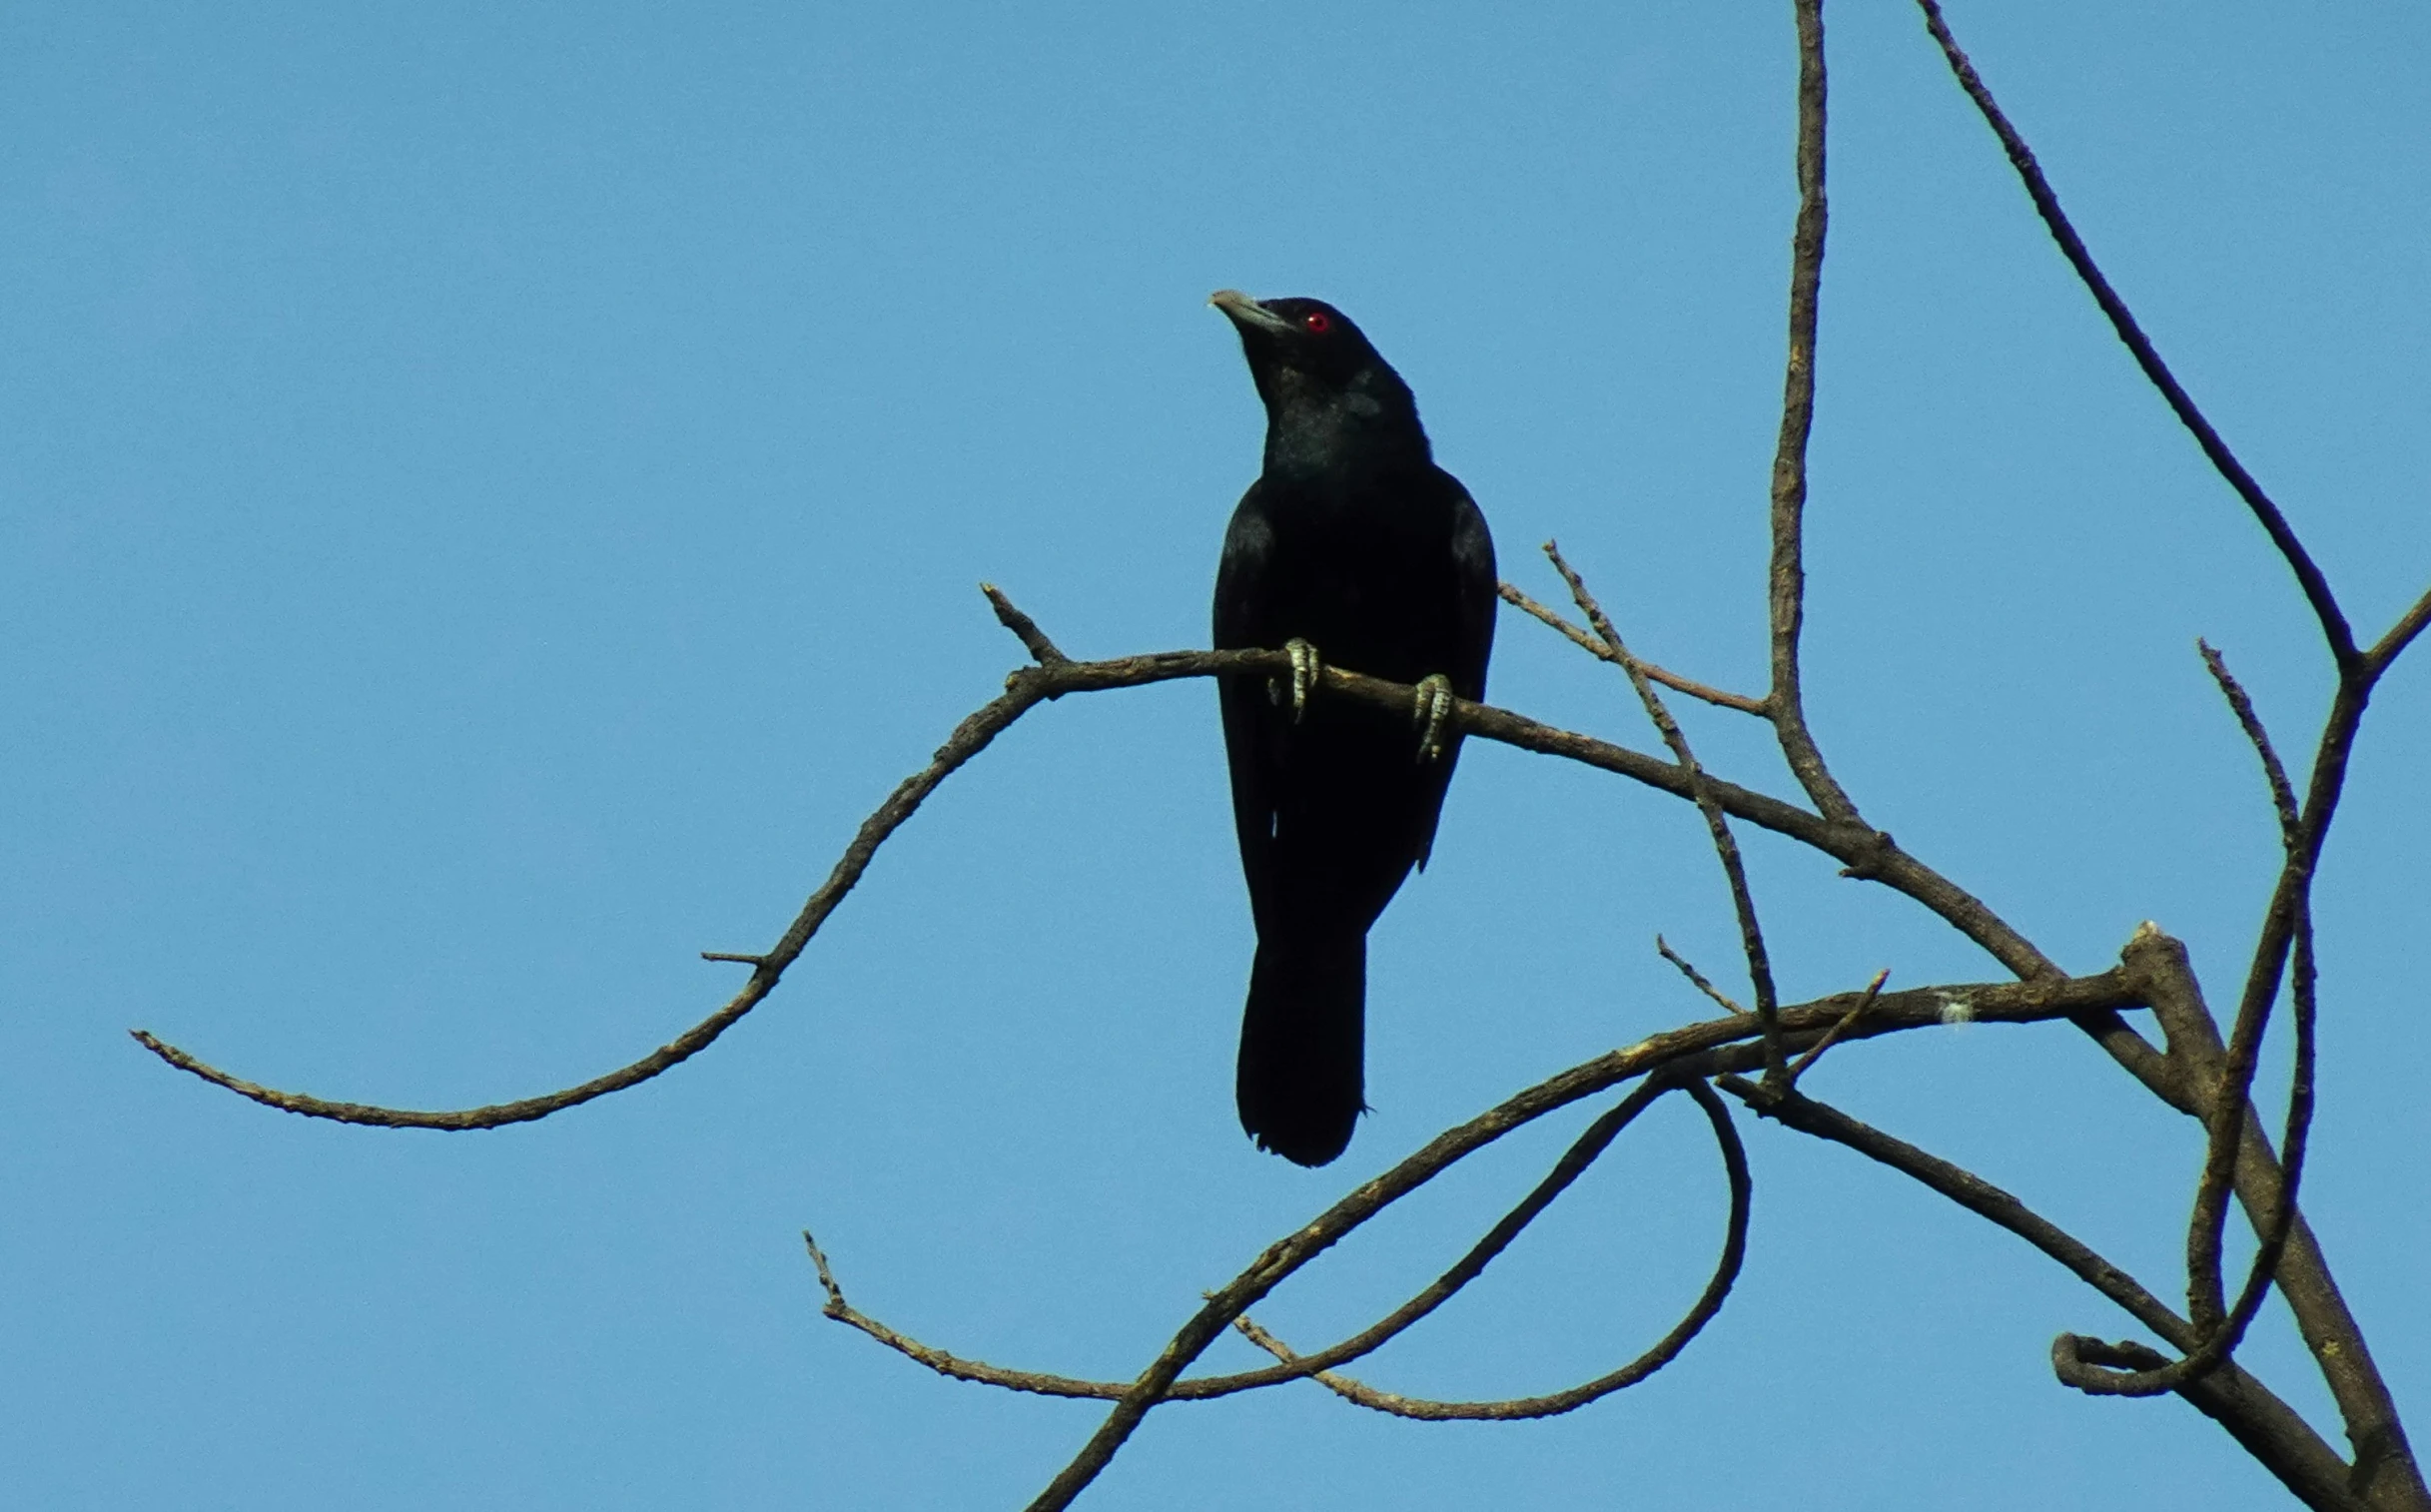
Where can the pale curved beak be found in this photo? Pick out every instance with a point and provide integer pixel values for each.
(1246, 313)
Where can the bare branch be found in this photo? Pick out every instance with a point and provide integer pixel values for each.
(2269, 1428)
(2401, 634)
(2226, 1115)
(1726, 845)
(968, 740)
(1862, 851)
(1583, 1152)
(2164, 979)
(1512, 1410)
(1786, 580)
(1857, 1011)
(938, 1359)
(2222, 1340)
(2282, 794)
(1593, 648)
(1698, 1050)
(1042, 650)
(1714, 1047)
(1544, 614)
(2288, 916)
(2328, 1328)
(1287, 1255)
(1695, 976)
(2334, 627)
(2226, 1128)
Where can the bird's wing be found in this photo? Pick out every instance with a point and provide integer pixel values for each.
(1471, 641)
(1480, 596)
(1240, 597)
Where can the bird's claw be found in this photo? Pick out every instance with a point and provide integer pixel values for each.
(1433, 703)
(1305, 670)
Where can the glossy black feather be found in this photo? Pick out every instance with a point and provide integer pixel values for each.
(1354, 541)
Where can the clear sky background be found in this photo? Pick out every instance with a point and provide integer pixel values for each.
(489, 497)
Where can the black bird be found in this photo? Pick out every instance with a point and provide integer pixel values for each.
(1354, 542)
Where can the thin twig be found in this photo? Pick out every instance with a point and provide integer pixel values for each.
(939, 1360)
(1695, 976)
(1026, 629)
(1857, 1011)
(1593, 648)
(2334, 627)
(1549, 616)
(1726, 845)
(2282, 794)
(2401, 634)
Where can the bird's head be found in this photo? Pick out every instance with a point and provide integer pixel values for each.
(1314, 369)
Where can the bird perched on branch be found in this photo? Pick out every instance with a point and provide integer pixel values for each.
(1352, 543)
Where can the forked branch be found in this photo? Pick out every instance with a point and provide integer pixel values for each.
(2268, 1427)
(1860, 850)
(1700, 792)
(1583, 1152)
(1551, 1404)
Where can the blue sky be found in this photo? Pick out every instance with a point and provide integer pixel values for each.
(490, 499)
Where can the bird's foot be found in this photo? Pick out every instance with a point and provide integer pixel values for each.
(1305, 670)
(1434, 701)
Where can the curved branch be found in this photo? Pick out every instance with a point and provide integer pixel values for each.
(2268, 1427)
(944, 1363)
(1583, 1152)
(2334, 627)
(1864, 852)
(1287, 1255)
(1714, 1047)
(1553, 1404)
(968, 740)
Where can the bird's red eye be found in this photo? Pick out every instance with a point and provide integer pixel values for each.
(1317, 322)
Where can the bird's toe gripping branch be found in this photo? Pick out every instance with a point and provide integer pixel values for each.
(1304, 669)
(1433, 703)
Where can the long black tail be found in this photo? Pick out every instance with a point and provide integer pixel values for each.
(1301, 1083)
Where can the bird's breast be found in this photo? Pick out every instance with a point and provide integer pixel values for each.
(1367, 577)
